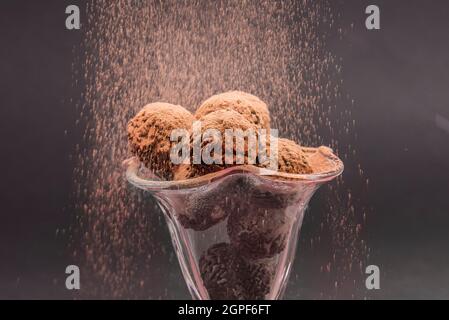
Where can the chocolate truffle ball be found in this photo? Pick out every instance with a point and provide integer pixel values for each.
(149, 135)
(250, 107)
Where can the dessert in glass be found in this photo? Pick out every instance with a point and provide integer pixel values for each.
(234, 227)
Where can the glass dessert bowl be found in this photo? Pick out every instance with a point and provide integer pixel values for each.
(235, 231)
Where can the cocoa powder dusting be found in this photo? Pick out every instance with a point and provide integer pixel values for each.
(137, 52)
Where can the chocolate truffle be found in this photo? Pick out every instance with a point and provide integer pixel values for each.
(250, 107)
(149, 135)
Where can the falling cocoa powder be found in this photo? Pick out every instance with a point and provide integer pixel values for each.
(182, 52)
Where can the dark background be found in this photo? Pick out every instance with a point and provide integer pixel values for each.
(398, 76)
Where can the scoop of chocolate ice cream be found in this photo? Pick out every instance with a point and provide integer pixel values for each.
(217, 268)
(255, 277)
(273, 199)
(259, 232)
(227, 275)
(149, 135)
(291, 158)
(220, 120)
(250, 107)
(209, 205)
(183, 172)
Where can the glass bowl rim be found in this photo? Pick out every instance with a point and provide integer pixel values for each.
(132, 167)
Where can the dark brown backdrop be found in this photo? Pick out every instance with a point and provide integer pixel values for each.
(398, 76)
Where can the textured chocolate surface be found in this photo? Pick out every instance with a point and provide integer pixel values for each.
(249, 106)
(227, 275)
(149, 135)
(221, 121)
(258, 232)
(217, 268)
(211, 204)
(291, 158)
